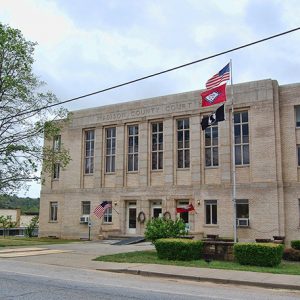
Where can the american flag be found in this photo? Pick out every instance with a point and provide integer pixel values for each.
(101, 208)
(218, 78)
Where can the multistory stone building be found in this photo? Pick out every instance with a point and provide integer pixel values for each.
(151, 156)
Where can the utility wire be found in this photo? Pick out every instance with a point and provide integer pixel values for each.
(156, 74)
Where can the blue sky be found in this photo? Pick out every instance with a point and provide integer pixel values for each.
(85, 46)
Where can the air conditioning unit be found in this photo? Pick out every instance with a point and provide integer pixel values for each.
(84, 219)
(242, 222)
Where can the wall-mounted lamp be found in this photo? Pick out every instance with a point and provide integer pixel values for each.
(198, 202)
(116, 203)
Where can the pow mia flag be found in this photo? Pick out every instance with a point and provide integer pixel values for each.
(214, 118)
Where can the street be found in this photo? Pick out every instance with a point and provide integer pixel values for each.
(29, 280)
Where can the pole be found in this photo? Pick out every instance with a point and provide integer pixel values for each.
(233, 160)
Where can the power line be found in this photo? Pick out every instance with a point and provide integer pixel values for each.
(156, 74)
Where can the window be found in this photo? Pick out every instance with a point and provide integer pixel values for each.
(183, 143)
(53, 211)
(157, 146)
(110, 149)
(133, 147)
(56, 143)
(242, 209)
(107, 217)
(298, 154)
(211, 212)
(85, 207)
(241, 138)
(211, 146)
(297, 110)
(89, 151)
(56, 170)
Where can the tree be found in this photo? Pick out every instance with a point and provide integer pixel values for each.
(29, 231)
(159, 228)
(6, 223)
(25, 115)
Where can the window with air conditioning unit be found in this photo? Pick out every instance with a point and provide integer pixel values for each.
(242, 222)
(84, 219)
(242, 213)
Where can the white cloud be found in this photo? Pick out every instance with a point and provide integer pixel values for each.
(40, 21)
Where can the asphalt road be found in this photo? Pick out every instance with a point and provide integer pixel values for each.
(27, 280)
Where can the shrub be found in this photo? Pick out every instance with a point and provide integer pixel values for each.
(258, 254)
(179, 249)
(295, 244)
(159, 228)
(291, 254)
(32, 226)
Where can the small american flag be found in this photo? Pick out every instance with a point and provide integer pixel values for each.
(101, 208)
(218, 78)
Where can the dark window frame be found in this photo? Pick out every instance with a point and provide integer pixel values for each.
(133, 148)
(211, 146)
(110, 149)
(89, 151)
(157, 146)
(183, 143)
(241, 138)
(211, 212)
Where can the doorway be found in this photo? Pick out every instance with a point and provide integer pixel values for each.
(131, 218)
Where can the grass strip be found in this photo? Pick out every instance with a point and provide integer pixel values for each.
(150, 257)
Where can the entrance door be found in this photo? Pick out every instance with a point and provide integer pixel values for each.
(131, 218)
(156, 209)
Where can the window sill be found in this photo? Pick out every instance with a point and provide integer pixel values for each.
(110, 173)
(211, 225)
(55, 179)
(183, 169)
(89, 174)
(157, 171)
(132, 172)
(107, 223)
(242, 166)
(53, 222)
(211, 167)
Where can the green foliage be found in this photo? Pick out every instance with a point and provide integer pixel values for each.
(159, 228)
(27, 205)
(32, 226)
(23, 102)
(291, 254)
(258, 254)
(150, 257)
(295, 244)
(6, 222)
(179, 249)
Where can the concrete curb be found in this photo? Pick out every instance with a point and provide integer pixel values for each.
(207, 279)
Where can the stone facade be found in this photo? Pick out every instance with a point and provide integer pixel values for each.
(269, 183)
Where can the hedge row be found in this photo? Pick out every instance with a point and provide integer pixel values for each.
(179, 249)
(258, 254)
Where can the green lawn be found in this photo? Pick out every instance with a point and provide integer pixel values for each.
(150, 257)
(23, 241)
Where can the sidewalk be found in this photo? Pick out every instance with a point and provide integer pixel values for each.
(265, 280)
(81, 255)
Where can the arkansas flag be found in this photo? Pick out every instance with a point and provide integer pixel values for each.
(214, 96)
(186, 208)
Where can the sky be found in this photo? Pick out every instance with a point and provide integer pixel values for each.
(86, 46)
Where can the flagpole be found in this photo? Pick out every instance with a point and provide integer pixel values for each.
(233, 160)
